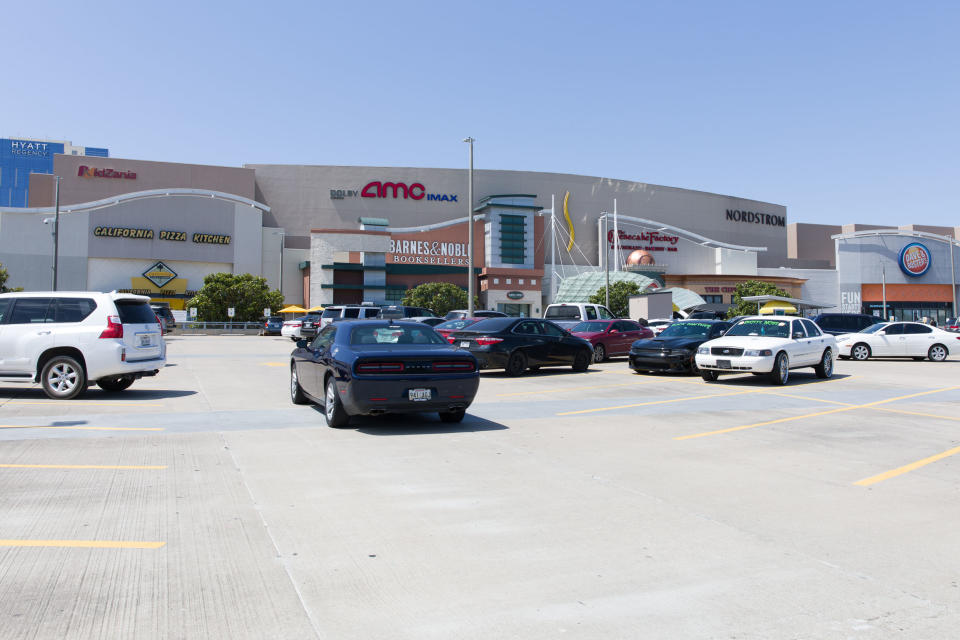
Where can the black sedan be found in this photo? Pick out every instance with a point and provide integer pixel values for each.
(675, 348)
(516, 344)
(372, 367)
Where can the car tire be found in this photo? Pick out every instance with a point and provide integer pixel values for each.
(517, 364)
(825, 367)
(453, 416)
(860, 351)
(297, 396)
(937, 353)
(581, 362)
(781, 370)
(115, 384)
(709, 376)
(333, 411)
(534, 368)
(63, 378)
(692, 368)
(599, 353)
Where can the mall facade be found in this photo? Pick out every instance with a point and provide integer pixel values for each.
(341, 234)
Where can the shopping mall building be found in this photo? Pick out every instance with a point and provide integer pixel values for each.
(337, 234)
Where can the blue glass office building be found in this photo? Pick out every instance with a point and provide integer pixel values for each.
(19, 157)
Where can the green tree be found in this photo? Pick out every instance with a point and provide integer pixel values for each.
(752, 288)
(620, 292)
(247, 294)
(3, 281)
(441, 297)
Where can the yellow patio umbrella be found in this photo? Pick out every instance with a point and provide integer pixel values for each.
(316, 308)
(292, 309)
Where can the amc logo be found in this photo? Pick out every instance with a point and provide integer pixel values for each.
(415, 191)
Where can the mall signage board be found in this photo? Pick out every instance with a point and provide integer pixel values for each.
(915, 259)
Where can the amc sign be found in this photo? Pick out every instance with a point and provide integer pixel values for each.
(415, 191)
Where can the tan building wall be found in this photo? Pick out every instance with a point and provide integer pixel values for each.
(77, 186)
(812, 242)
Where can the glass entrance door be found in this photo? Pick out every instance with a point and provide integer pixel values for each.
(516, 310)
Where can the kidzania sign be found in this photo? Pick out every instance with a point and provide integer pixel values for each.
(84, 171)
(415, 191)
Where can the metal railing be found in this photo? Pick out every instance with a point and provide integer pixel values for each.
(199, 327)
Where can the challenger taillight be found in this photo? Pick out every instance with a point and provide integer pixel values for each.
(114, 328)
(453, 367)
(380, 367)
(485, 341)
(451, 339)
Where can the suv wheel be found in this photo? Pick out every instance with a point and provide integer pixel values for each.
(115, 383)
(63, 378)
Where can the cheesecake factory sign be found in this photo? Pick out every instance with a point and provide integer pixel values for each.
(164, 234)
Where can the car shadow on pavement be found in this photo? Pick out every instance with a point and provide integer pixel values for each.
(546, 372)
(97, 395)
(413, 424)
(797, 379)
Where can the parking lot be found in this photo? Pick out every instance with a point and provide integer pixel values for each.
(202, 503)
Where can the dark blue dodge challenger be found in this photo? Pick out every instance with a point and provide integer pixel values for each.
(371, 367)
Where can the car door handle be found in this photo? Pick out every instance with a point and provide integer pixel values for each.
(43, 333)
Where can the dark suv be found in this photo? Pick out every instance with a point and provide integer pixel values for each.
(839, 323)
(166, 316)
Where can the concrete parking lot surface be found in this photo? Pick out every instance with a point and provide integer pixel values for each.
(202, 503)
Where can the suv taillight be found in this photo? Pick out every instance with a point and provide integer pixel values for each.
(114, 328)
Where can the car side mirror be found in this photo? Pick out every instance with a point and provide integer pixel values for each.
(799, 335)
(613, 331)
(302, 344)
(881, 332)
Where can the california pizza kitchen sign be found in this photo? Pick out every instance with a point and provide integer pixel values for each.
(428, 252)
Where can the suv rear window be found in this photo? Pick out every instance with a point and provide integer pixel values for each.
(135, 312)
(331, 313)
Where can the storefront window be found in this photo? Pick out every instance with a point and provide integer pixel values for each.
(713, 299)
(515, 310)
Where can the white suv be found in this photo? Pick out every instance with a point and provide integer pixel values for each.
(66, 339)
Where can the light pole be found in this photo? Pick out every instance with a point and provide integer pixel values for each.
(470, 277)
(56, 229)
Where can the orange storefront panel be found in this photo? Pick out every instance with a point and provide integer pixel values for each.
(908, 293)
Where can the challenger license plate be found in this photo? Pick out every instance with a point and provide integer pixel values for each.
(464, 344)
(723, 364)
(419, 395)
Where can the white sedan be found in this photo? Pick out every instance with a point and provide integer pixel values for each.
(899, 340)
(291, 329)
(768, 345)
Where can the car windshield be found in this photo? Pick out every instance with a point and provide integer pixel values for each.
(331, 313)
(563, 312)
(768, 328)
(455, 324)
(590, 327)
(874, 327)
(686, 330)
(387, 334)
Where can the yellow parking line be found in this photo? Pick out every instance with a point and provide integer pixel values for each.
(83, 403)
(880, 477)
(814, 415)
(30, 426)
(90, 544)
(572, 389)
(80, 466)
(918, 413)
(810, 398)
(653, 402)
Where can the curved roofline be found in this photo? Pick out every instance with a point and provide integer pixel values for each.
(436, 225)
(895, 232)
(139, 195)
(687, 235)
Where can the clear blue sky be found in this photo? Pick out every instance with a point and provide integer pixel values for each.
(843, 112)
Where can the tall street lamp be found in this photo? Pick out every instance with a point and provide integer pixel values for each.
(56, 229)
(470, 278)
